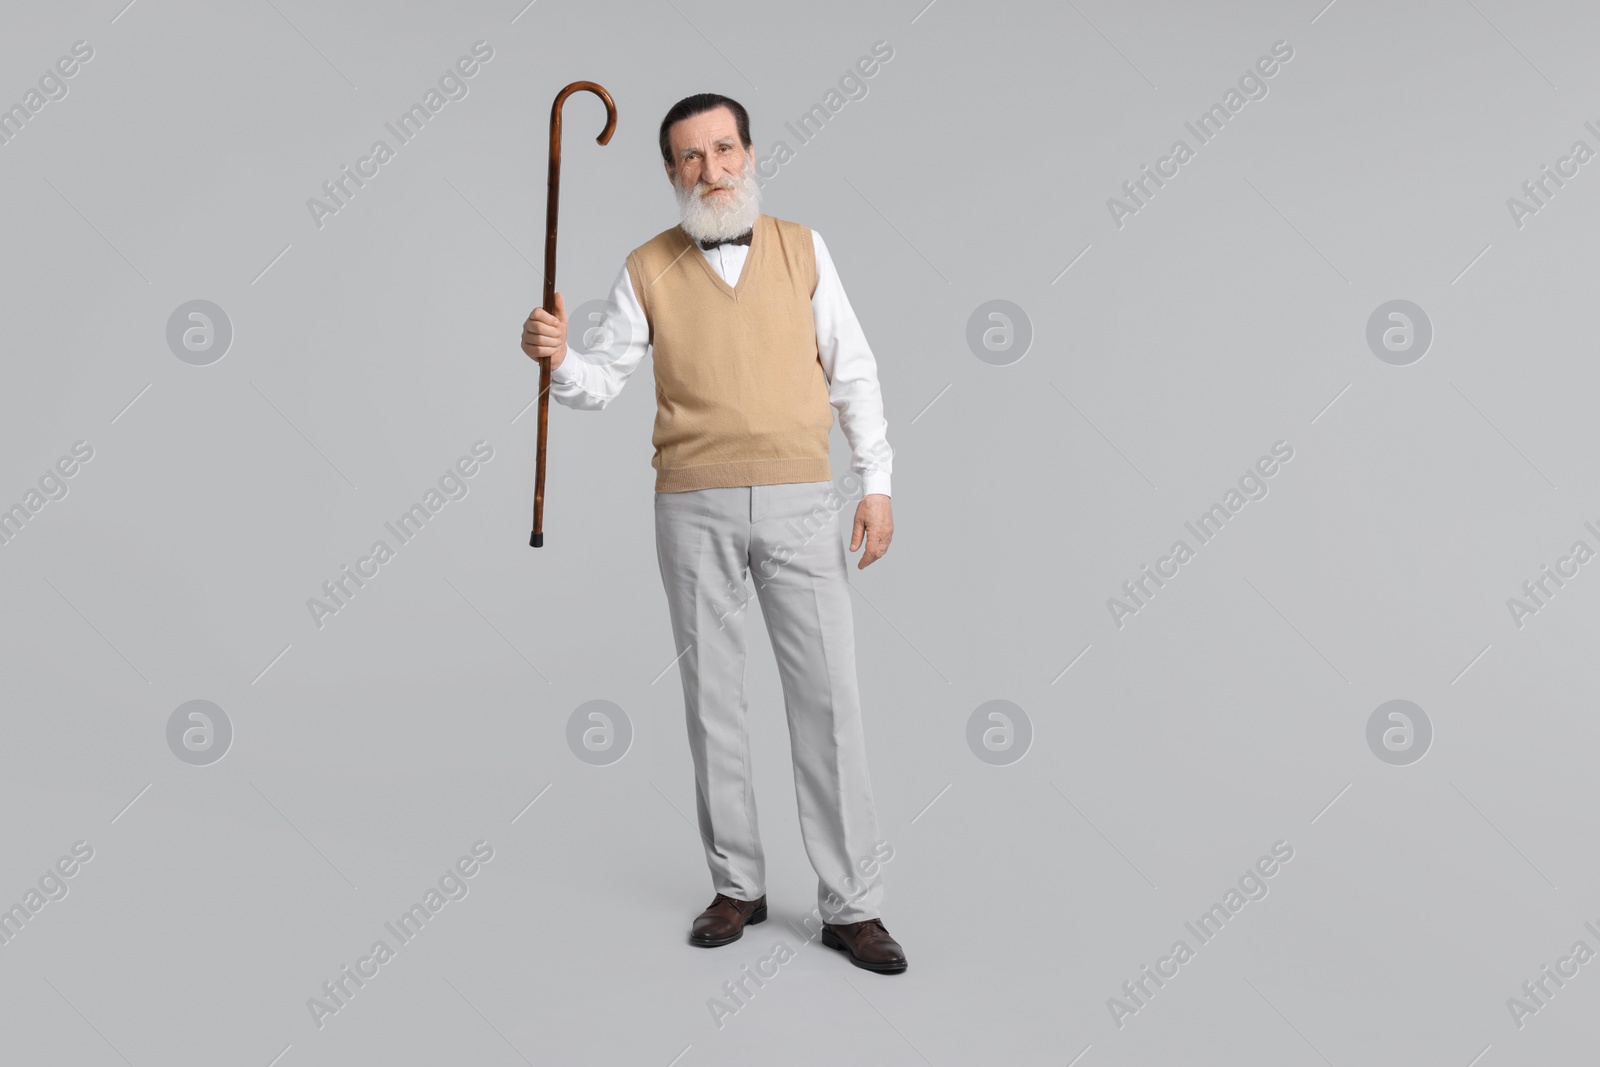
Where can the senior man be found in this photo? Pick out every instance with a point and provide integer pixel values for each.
(754, 345)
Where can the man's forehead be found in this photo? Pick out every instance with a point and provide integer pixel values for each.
(705, 127)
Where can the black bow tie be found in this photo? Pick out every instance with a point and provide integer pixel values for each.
(742, 239)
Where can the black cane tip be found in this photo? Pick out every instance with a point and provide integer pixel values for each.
(536, 540)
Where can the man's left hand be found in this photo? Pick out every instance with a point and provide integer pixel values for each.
(875, 522)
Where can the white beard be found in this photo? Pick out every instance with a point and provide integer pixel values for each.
(721, 217)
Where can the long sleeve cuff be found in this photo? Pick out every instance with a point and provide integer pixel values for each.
(875, 482)
(566, 373)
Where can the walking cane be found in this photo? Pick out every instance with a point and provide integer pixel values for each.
(537, 538)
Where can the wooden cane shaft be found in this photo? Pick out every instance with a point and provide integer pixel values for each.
(551, 216)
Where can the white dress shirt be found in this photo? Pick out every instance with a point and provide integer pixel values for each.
(842, 349)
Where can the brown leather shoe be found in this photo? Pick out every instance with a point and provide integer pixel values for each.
(867, 944)
(725, 918)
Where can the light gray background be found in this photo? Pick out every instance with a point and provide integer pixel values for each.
(369, 354)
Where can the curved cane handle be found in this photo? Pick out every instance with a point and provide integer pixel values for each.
(555, 176)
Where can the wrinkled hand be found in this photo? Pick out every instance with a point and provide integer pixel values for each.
(875, 522)
(545, 334)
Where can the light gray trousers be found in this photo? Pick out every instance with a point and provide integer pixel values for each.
(785, 538)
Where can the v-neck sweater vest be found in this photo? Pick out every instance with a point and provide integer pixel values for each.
(741, 397)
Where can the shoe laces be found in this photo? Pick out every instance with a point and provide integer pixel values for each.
(869, 929)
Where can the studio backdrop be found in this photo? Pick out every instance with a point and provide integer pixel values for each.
(1228, 688)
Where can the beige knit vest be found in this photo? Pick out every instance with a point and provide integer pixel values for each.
(741, 397)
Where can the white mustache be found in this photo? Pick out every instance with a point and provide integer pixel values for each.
(703, 219)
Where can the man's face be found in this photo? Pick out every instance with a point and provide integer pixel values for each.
(706, 147)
